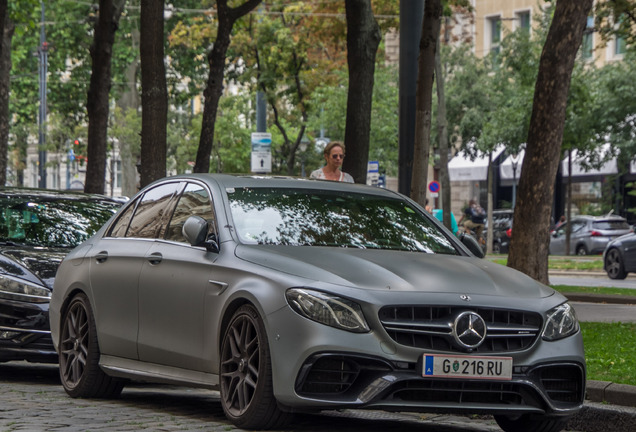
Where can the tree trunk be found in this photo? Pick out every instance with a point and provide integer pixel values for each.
(442, 132)
(130, 100)
(363, 39)
(425, 74)
(214, 89)
(98, 93)
(530, 243)
(5, 84)
(154, 94)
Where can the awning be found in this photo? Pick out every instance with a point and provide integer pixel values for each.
(607, 168)
(462, 168)
(506, 171)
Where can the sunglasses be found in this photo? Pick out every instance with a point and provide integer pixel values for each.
(337, 156)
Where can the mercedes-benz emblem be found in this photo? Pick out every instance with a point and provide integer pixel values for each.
(469, 329)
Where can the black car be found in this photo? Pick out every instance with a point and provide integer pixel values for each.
(37, 229)
(619, 257)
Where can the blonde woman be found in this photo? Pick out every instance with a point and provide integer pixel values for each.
(334, 156)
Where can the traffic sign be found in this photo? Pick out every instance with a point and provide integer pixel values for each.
(434, 186)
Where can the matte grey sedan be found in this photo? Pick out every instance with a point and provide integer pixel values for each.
(292, 295)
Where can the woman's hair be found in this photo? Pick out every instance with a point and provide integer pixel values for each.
(333, 144)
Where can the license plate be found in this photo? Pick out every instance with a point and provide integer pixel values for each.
(475, 367)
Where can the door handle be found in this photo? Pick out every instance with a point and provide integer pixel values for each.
(155, 258)
(101, 256)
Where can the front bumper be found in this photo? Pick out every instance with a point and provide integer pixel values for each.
(25, 332)
(351, 380)
(316, 367)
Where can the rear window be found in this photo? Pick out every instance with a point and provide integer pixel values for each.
(610, 225)
(51, 222)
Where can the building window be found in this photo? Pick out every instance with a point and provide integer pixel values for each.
(494, 27)
(587, 47)
(522, 21)
(619, 46)
(619, 41)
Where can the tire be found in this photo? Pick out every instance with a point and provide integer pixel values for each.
(581, 250)
(529, 423)
(614, 265)
(496, 247)
(247, 394)
(80, 373)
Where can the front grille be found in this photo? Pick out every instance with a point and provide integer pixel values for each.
(459, 391)
(431, 327)
(562, 383)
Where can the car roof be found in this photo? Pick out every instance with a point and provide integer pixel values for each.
(24, 192)
(599, 218)
(226, 181)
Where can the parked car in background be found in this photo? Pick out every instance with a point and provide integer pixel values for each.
(37, 229)
(502, 230)
(619, 257)
(294, 295)
(589, 234)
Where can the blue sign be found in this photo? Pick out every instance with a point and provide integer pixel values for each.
(433, 186)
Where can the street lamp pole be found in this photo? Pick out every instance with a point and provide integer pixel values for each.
(514, 159)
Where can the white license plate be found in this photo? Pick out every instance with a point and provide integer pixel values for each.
(476, 367)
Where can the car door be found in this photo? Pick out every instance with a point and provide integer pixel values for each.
(629, 252)
(557, 240)
(578, 235)
(175, 284)
(115, 265)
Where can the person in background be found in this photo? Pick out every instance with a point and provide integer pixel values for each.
(428, 207)
(439, 214)
(334, 155)
(475, 217)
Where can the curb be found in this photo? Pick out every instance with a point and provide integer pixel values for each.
(601, 298)
(596, 417)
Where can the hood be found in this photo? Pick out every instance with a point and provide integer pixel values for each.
(33, 264)
(395, 270)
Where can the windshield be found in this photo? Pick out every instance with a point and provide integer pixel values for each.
(51, 222)
(307, 217)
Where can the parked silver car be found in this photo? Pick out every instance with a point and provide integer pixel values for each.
(589, 234)
(299, 295)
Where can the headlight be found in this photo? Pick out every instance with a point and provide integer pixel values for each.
(328, 309)
(16, 289)
(561, 323)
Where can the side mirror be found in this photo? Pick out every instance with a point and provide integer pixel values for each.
(195, 231)
(472, 245)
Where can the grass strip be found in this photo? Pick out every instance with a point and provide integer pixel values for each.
(610, 351)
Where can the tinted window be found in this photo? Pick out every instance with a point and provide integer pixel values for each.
(123, 220)
(611, 225)
(52, 222)
(194, 201)
(330, 218)
(151, 212)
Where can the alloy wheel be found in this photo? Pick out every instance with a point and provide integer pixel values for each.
(240, 363)
(74, 344)
(614, 265)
